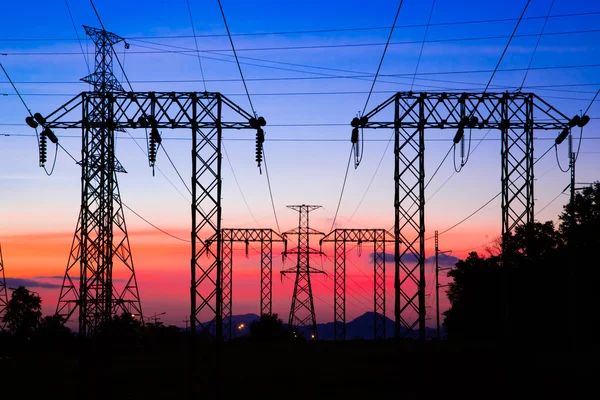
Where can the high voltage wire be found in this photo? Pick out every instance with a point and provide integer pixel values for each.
(289, 139)
(537, 43)
(196, 43)
(253, 112)
(236, 57)
(458, 72)
(363, 111)
(508, 45)
(382, 56)
(328, 46)
(87, 63)
(422, 45)
(449, 23)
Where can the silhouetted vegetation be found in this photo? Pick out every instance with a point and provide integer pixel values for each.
(270, 328)
(24, 312)
(521, 291)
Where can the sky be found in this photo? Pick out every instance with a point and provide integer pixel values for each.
(301, 61)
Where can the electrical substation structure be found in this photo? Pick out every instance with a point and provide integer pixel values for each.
(515, 114)
(3, 290)
(302, 310)
(359, 236)
(99, 114)
(265, 237)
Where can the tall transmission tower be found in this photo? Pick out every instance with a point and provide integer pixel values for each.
(515, 115)
(302, 311)
(3, 292)
(101, 244)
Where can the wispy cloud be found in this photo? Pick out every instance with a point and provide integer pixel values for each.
(445, 260)
(30, 283)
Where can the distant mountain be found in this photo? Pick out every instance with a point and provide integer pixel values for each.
(361, 327)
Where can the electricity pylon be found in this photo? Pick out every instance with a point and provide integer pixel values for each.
(302, 311)
(515, 115)
(101, 244)
(206, 115)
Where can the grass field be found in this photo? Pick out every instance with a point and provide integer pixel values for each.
(250, 370)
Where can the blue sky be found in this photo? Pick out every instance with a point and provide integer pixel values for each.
(297, 111)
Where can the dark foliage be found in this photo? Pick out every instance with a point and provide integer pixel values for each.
(537, 288)
(271, 328)
(24, 312)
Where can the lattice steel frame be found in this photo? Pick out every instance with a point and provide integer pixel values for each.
(265, 237)
(202, 113)
(516, 115)
(302, 310)
(340, 237)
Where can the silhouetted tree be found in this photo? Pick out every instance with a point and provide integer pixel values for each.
(269, 327)
(508, 294)
(24, 311)
(53, 326)
(123, 326)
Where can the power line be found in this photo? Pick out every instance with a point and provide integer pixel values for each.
(238, 185)
(97, 15)
(196, 43)
(87, 63)
(154, 226)
(292, 140)
(422, 44)
(537, 43)
(353, 29)
(342, 191)
(271, 191)
(236, 57)
(333, 46)
(507, 45)
(457, 72)
(383, 56)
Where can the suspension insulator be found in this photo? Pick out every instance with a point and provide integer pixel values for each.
(48, 133)
(260, 138)
(155, 140)
(354, 137)
(43, 148)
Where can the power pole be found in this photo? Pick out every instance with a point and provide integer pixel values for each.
(302, 311)
(437, 282)
(3, 292)
(101, 238)
(186, 320)
(155, 317)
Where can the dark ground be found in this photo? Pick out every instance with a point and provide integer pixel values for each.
(352, 370)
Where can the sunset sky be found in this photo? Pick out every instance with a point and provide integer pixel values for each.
(312, 47)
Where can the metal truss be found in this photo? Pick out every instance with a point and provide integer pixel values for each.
(515, 115)
(340, 237)
(265, 237)
(302, 311)
(3, 291)
(99, 114)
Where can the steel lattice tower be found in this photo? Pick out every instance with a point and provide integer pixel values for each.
(302, 311)
(516, 115)
(340, 237)
(101, 244)
(265, 237)
(3, 291)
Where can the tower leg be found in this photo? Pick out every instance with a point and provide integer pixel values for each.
(266, 273)
(339, 292)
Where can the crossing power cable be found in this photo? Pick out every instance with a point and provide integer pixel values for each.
(313, 31)
(196, 43)
(253, 112)
(354, 148)
(329, 46)
(537, 44)
(422, 44)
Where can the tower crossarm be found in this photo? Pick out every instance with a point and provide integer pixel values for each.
(164, 110)
(448, 110)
